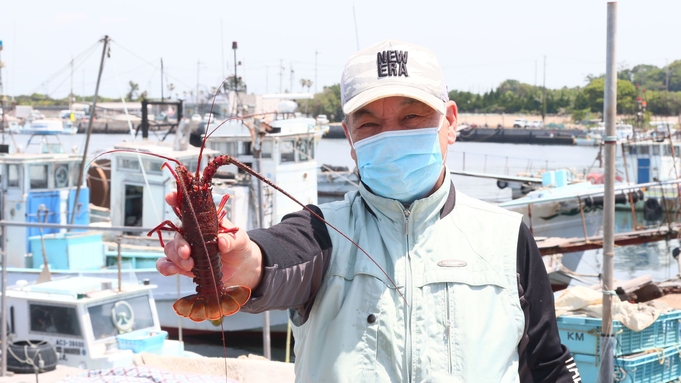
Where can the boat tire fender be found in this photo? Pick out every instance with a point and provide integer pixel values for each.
(31, 356)
(502, 184)
(652, 210)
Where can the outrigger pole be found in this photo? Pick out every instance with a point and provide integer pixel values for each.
(89, 130)
(610, 113)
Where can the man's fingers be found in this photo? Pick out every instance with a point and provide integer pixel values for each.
(171, 198)
(167, 267)
(178, 252)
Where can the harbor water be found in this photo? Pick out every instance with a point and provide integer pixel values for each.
(508, 159)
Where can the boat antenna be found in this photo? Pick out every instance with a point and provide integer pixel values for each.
(89, 128)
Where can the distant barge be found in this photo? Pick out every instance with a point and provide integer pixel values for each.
(520, 136)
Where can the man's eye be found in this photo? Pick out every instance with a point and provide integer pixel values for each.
(410, 116)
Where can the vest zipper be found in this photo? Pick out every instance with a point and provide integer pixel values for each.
(408, 296)
(448, 328)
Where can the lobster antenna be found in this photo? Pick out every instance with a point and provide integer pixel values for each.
(212, 105)
(134, 151)
(277, 188)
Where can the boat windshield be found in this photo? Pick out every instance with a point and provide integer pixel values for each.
(113, 318)
(54, 319)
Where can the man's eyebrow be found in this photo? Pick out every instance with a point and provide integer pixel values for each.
(361, 112)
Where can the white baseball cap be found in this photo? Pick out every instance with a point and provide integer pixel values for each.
(393, 68)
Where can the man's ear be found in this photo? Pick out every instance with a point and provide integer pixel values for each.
(452, 117)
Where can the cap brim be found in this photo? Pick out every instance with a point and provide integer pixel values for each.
(371, 95)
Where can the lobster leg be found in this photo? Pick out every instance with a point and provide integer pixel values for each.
(222, 213)
(164, 226)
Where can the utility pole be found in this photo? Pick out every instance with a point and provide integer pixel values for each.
(162, 98)
(198, 67)
(543, 97)
(71, 92)
(315, 71)
(236, 93)
(610, 108)
(281, 74)
(222, 48)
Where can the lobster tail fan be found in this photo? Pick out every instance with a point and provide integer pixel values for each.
(233, 298)
(197, 308)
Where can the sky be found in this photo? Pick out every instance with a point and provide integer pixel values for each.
(479, 43)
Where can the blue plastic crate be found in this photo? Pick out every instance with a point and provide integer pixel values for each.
(582, 335)
(142, 340)
(654, 366)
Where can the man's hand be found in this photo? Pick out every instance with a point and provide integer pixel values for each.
(241, 258)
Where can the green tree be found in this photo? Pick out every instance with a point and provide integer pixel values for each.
(591, 96)
(134, 88)
(240, 84)
(327, 102)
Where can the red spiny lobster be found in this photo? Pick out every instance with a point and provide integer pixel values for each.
(202, 223)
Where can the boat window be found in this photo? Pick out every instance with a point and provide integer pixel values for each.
(287, 152)
(644, 149)
(310, 148)
(128, 164)
(54, 319)
(61, 175)
(302, 150)
(133, 209)
(632, 149)
(75, 170)
(153, 166)
(266, 151)
(677, 150)
(37, 174)
(226, 148)
(113, 318)
(246, 148)
(666, 150)
(13, 176)
(656, 150)
(191, 165)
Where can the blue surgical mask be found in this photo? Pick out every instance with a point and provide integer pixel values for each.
(401, 164)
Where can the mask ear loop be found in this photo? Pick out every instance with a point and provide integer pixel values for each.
(444, 155)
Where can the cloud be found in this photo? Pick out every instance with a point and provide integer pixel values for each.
(67, 18)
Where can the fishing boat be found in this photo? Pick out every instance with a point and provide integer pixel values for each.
(138, 185)
(50, 126)
(85, 322)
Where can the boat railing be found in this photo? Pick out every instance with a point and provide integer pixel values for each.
(626, 190)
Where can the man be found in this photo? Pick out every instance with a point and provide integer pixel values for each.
(458, 290)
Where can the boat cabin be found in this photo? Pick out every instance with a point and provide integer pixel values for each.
(287, 158)
(38, 187)
(89, 321)
(139, 184)
(649, 161)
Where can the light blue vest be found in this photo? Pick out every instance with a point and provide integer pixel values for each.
(462, 319)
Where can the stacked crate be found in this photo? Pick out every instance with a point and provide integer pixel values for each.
(652, 355)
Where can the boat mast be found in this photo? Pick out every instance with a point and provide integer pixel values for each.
(89, 129)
